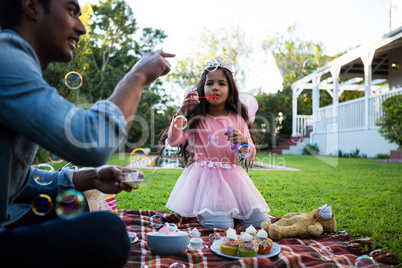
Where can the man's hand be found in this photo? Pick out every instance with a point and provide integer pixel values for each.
(106, 179)
(127, 93)
(151, 66)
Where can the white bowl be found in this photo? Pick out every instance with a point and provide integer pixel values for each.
(167, 245)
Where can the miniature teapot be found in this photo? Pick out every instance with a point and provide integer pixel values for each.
(171, 227)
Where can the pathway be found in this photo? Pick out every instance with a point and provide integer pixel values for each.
(146, 163)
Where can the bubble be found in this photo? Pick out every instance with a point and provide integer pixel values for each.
(179, 124)
(296, 137)
(213, 97)
(54, 158)
(213, 139)
(41, 179)
(325, 250)
(310, 65)
(70, 204)
(156, 221)
(213, 237)
(365, 261)
(73, 80)
(177, 265)
(42, 205)
(211, 65)
(244, 150)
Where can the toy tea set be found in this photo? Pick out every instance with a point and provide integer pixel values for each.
(170, 241)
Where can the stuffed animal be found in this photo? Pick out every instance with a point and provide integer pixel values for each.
(302, 225)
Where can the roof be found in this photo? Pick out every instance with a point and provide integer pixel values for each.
(352, 65)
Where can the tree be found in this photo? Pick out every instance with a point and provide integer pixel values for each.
(229, 44)
(391, 121)
(56, 71)
(105, 54)
(290, 52)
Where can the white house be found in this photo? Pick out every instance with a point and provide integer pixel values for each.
(374, 68)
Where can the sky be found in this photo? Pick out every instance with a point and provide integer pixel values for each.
(338, 24)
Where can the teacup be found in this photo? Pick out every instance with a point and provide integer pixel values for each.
(131, 176)
(196, 243)
(132, 236)
(131, 179)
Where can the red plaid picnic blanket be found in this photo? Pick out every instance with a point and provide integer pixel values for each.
(294, 252)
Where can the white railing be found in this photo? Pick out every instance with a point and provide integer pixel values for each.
(375, 104)
(350, 116)
(302, 121)
(324, 119)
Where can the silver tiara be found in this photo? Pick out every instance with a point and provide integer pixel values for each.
(213, 64)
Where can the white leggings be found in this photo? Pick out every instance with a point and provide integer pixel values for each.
(225, 222)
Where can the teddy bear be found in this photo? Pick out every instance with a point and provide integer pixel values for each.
(302, 225)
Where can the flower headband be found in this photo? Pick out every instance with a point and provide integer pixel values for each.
(213, 64)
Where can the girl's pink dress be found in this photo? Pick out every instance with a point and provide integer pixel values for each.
(214, 183)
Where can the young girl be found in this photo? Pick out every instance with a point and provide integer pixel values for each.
(215, 186)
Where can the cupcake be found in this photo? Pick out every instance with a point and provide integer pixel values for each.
(230, 243)
(264, 243)
(248, 246)
(252, 231)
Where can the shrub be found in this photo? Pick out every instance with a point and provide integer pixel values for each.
(341, 154)
(355, 154)
(42, 156)
(309, 148)
(391, 121)
(352, 154)
(382, 156)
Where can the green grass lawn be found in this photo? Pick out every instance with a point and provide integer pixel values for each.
(117, 159)
(365, 196)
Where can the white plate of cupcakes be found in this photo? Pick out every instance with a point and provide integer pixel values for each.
(247, 245)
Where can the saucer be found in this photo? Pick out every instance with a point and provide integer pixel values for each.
(133, 183)
(203, 246)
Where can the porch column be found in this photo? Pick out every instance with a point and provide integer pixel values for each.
(294, 108)
(335, 99)
(316, 104)
(316, 94)
(367, 60)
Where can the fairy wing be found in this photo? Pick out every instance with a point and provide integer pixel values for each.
(251, 104)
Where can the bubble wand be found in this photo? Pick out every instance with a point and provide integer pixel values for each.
(213, 97)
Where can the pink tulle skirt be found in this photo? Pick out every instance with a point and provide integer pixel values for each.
(217, 188)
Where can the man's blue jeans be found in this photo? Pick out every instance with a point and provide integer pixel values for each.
(93, 239)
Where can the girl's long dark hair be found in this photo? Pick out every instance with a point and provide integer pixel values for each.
(198, 112)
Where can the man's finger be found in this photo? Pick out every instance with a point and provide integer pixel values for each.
(166, 55)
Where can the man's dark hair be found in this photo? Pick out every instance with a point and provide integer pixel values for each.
(10, 12)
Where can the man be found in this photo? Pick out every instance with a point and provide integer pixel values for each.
(35, 33)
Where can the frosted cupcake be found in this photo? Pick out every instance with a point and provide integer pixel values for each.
(230, 243)
(248, 246)
(264, 243)
(252, 231)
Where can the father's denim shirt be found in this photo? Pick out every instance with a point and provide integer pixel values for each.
(32, 113)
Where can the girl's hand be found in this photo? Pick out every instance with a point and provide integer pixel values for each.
(235, 136)
(190, 100)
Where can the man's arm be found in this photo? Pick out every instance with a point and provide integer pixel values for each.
(127, 93)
